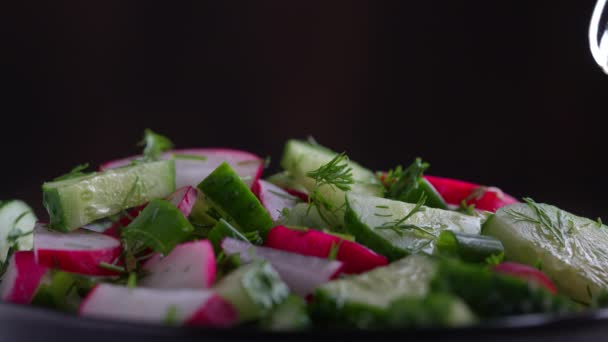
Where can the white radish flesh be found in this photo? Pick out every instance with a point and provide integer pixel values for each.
(180, 307)
(301, 273)
(274, 199)
(194, 165)
(79, 251)
(190, 265)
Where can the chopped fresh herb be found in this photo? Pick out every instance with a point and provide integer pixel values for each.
(171, 315)
(399, 182)
(399, 225)
(599, 222)
(132, 280)
(382, 206)
(336, 173)
(285, 212)
(467, 209)
(286, 196)
(383, 215)
(188, 156)
(538, 265)
(495, 259)
(112, 267)
(154, 145)
(75, 172)
(333, 251)
(254, 237)
(542, 219)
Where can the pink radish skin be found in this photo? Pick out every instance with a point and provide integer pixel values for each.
(356, 258)
(273, 198)
(527, 273)
(22, 278)
(190, 265)
(186, 307)
(303, 274)
(79, 251)
(191, 172)
(184, 199)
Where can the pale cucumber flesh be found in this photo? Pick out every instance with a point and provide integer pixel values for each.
(75, 202)
(572, 250)
(375, 222)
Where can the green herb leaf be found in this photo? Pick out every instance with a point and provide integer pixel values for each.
(399, 183)
(132, 280)
(154, 145)
(171, 315)
(495, 259)
(333, 251)
(399, 226)
(160, 226)
(76, 172)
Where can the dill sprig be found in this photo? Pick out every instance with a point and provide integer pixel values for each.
(399, 226)
(542, 219)
(495, 259)
(398, 182)
(337, 174)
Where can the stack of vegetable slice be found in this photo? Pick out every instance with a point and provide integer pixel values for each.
(197, 237)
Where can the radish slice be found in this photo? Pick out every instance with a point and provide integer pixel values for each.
(181, 307)
(301, 273)
(273, 198)
(184, 199)
(194, 165)
(22, 278)
(527, 273)
(356, 258)
(79, 251)
(190, 265)
(484, 198)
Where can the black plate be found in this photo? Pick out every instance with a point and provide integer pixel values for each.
(24, 323)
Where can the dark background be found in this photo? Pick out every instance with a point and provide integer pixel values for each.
(502, 93)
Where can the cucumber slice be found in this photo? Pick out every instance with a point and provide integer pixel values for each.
(300, 216)
(490, 294)
(572, 250)
(287, 316)
(285, 180)
(372, 221)
(435, 310)
(254, 290)
(74, 202)
(17, 221)
(234, 201)
(300, 157)
(364, 300)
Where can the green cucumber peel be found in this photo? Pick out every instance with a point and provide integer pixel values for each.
(160, 226)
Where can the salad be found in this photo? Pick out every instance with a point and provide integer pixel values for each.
(202, 237)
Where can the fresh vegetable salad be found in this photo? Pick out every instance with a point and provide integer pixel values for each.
(203, 237)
